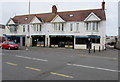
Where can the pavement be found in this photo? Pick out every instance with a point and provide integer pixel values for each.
(59, 64)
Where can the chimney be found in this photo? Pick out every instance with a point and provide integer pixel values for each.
(54, 9)
(103, 5)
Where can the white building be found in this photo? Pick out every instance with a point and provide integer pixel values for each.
(79, 29)
(2, 27)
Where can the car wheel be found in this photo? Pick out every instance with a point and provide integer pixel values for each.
(9, 48)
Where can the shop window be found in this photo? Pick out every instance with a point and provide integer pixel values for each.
(81, 40)
(95, 40)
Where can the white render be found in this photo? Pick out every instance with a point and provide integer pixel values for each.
(48, 29)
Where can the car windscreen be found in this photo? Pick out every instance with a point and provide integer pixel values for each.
(11, 43)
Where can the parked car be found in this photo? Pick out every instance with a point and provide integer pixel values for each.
(9, 45)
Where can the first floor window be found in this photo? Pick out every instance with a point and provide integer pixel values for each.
(13, 29)
(28, 28)
(92, 26)
(37, 27)
(77, 27)
(40, 27)
(62, 26)
(23, 28)
(58, 26)
(71, 27)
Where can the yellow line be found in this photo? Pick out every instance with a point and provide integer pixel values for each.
(11, 63)
(61, 75)
(33, 68)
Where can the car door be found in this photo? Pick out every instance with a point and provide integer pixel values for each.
(6, 45)
(3, 44)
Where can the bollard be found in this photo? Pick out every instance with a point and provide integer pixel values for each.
(105, 47)
(94, 49)
(89, 49)
(99, 48)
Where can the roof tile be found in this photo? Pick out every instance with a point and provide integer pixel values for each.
(78, 15)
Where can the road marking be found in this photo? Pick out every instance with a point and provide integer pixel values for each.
(32, 58)
(97, 57)
(33, 68)
(11, 63)
(61, 75)
(104, 69)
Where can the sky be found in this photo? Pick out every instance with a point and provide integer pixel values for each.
(20, 7)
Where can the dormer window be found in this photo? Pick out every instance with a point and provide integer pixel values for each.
(26, 18)
(71, 15)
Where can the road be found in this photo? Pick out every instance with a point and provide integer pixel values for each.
(59, 64)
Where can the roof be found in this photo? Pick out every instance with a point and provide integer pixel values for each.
(2, 26)
(78, 15)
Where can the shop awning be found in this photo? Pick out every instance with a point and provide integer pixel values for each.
(61, 35)
(81, 36)
(89, 36)
(93, 36)
(13, 35)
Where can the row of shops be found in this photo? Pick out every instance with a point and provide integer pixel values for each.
(67, 41)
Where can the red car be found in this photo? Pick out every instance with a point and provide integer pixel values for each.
(9, 45)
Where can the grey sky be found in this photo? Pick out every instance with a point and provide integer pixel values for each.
(10, 9)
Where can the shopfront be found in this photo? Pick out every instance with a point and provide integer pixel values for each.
(18, 39)
(38, 40)
(62, 41)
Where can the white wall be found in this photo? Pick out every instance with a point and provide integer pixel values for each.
(19, 31)
(48, 29)
(1, 32)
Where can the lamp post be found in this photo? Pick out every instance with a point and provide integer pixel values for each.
(28, 29)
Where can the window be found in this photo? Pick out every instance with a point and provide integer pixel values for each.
(62, 27)
(28, 28)
(77, 27)
(92, 26)
(58, 26)
(71, 27)
(37, 27)
(71, 15)
(81, 40)
(13, 29)
(23, 28)
(95, 40)
(87, 26)
(26, 18)
(40, 27)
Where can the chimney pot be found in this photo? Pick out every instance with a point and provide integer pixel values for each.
(103, 5)
(54, 9)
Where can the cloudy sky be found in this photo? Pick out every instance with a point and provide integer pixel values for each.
(20, 7)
